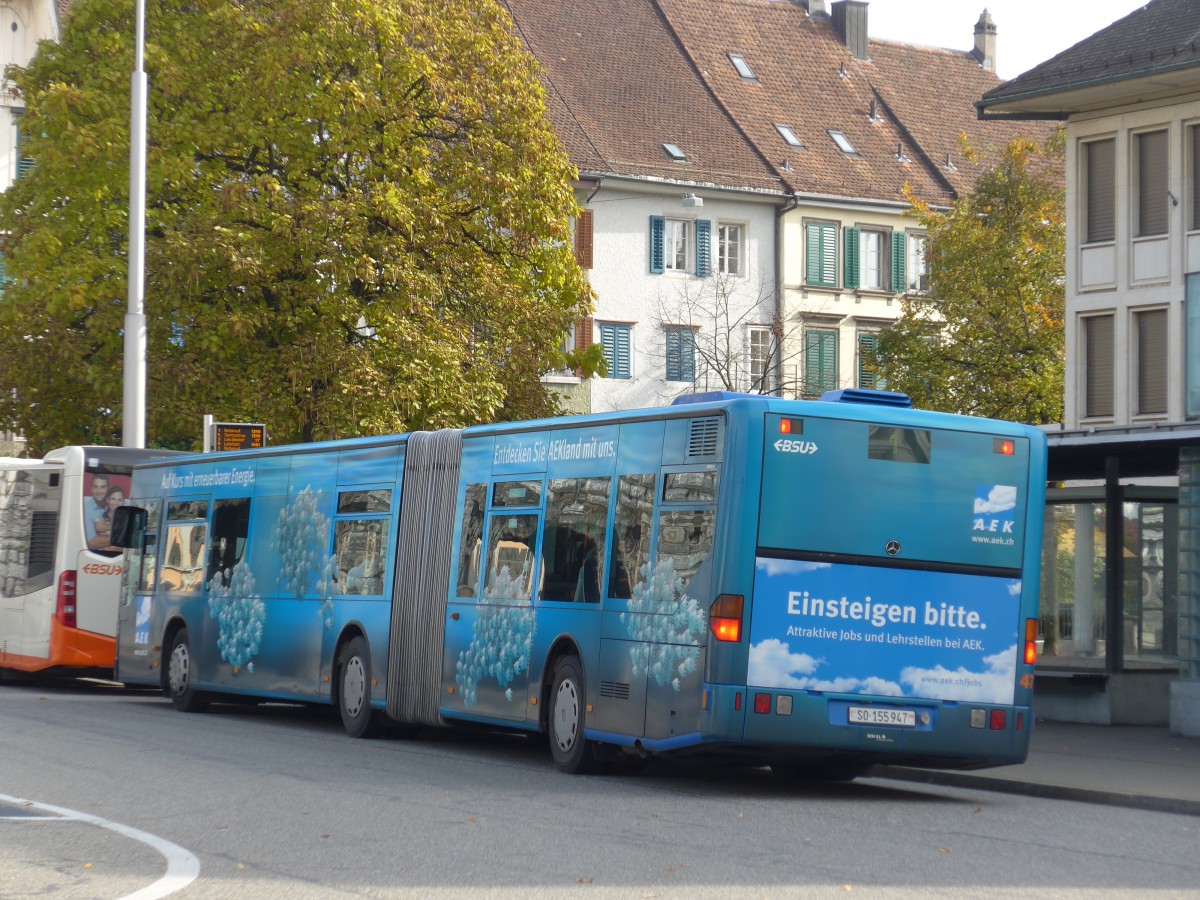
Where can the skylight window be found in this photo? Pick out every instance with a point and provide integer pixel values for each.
(675, 153)
(788, 135)
(743, 67)
(843, 143)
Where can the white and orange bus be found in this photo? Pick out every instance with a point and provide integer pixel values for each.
(59, 577)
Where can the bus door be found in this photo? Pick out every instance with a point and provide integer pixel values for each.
(660, 580)
(30, 496)
(97, 562)
(491, 620)
(138, 582)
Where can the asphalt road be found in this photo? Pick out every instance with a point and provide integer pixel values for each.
(277, 802)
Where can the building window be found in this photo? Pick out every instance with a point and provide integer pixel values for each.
(820, 360)
(866, 259)
(1098, 366)
(681, 354)
(820, 254)
(674, 151)
(870, 259)
(729, 249)
(1194, 162)
(1152, 200)
(917, 268)
(1099, 164)
(843, 143)
(867, 342)
(760, 345)
(742, 67)
(614, 337)
(1151, 327)
(675, 245)
(789, 136)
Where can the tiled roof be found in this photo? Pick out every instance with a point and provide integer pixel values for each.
(627, 75)
(1162, 36)
(620, 87)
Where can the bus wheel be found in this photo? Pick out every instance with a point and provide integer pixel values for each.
(572, 752)
(354, 691)
(181, 685)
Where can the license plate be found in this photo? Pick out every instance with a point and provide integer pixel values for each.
(882, 715)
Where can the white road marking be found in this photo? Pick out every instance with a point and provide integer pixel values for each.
(182, 867)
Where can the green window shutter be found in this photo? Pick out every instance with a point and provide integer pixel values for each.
(820, 361)
(657, 226)
(703, 248)
(24, 163)
(867, 343)
(899, 251)
(850, 258)
(820, 255)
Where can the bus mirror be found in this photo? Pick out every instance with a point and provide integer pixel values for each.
(128, 524)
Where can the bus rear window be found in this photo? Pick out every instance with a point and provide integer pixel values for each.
(899, 444)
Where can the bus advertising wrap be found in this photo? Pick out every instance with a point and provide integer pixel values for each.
(856, 629)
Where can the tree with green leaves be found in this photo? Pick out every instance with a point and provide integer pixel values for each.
(987, 338)
(358, 222)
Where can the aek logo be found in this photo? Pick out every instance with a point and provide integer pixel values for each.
(995, 508)
(787, 445)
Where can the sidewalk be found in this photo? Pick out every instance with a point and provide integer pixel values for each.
(1144, 768)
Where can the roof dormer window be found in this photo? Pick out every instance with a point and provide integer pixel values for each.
(743, 67)
(843, 143)
(788, 135)
(675, 153)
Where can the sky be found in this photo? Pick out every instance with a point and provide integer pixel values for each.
(1028, 32)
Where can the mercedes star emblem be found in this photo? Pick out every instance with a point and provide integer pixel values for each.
(892, 548)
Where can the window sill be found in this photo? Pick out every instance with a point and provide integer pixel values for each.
(561, 378)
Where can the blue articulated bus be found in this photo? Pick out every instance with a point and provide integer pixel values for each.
(815, 585)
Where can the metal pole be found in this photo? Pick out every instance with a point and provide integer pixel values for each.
(133, 424)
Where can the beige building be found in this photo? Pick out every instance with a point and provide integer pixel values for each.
(1121, 596)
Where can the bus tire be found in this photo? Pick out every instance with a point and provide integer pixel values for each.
(181, 681)
(572, 752)
(354, 690)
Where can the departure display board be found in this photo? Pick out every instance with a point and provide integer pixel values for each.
(235, 436)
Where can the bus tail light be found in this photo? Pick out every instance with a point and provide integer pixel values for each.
(65, 610)
(725, 618)
(1031, 631)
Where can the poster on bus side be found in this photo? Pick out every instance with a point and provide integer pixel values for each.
(872, 630)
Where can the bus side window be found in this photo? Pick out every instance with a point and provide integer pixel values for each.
(471, 541)
(511, 540)
(686, 538)
(185, 546)
(631, 534)
(361, 555)
(230, 528)
(147, 576)
(573, 539)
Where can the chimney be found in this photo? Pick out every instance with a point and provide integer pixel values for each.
(850, 20)
(815, 7)
(985, 41)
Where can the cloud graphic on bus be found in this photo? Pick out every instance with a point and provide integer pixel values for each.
(666, 623)
(240, 614)
(993, 685)
(774, 665)
(302, 538)
(995, 498)
(502, 638)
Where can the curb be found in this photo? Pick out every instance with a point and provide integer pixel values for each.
(1046, 791)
